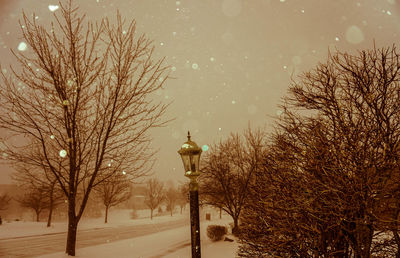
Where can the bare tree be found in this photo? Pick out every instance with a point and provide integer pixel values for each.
(154, 194)
(171, 198)
(227, 171)
(39, 177)
(113, 191)
(4, 201)
(35, 199)
(330, 186)
(84, 90)
(183, 198)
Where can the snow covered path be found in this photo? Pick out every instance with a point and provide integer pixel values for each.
(163, 242)
(174, 243)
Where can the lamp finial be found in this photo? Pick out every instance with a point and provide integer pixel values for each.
(188, 136)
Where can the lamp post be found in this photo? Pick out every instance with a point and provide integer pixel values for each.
(190, 154)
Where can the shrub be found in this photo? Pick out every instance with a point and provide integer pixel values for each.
(216, 232)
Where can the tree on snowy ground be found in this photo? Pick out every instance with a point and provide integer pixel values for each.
(36, 175)
(227, 171)
(154, 195)
(113, 191)
(330, 185)
(183, 195)
(84, 90)
(35, 199)
(172, 196)
(34, 179)
(4, 201)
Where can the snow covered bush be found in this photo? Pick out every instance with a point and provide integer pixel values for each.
(216, 232)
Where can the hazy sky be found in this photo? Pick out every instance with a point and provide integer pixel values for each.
(232, 59)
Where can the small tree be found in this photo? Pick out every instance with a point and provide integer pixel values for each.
(171, 198)
(37, 176)
(228, 168)
(154, 194)
(114, 191)
(4, 201)
(183, 195)
(35, 199)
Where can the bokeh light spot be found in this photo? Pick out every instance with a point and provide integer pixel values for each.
(53, 8)
(354, 35)
(22, 46)
(205, 148)
(63, 153)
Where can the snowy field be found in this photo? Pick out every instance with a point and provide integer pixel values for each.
(170, 243)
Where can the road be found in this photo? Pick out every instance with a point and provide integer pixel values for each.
(44, 244)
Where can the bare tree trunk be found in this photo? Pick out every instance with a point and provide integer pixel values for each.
(50, 216)
(106, 217)
(220, 213)
(72, 228)
(37, 215)
(171, 212)
(50, 207)
(151, 214)
(235, 229)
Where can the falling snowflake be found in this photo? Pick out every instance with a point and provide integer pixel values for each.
(195, 66)
(22, 46)
(53, 8)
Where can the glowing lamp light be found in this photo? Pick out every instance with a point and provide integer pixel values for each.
(190, 154)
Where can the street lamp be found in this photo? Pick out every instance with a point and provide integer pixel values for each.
(190, 154)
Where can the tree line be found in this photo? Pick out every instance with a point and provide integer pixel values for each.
(325, 182)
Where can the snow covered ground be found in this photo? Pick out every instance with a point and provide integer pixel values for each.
(173, 243)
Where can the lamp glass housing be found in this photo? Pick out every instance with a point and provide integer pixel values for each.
(190, 154)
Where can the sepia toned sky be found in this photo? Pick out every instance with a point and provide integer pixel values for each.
(232, 60)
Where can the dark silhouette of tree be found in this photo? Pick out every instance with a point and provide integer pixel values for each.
(35, 199)
(227, 170)
(183, 198)
(38, 176)
(154, 194)
(171, 197)
(85, 90)
(4, 202)
(330, 186)
(113, 191)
